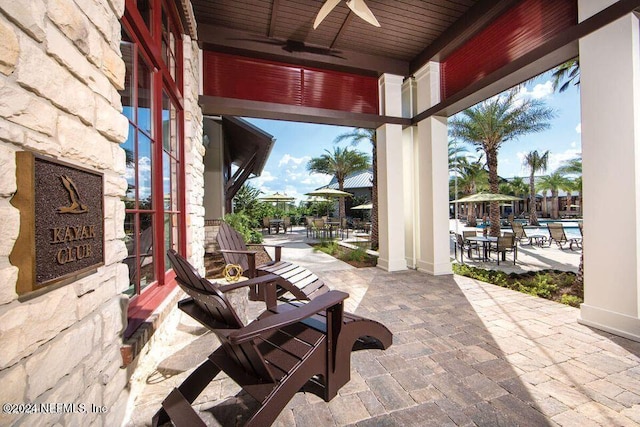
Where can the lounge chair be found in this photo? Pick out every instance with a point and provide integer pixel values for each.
(557, 234)
(521, 235)
(301, 283)
(289, 348)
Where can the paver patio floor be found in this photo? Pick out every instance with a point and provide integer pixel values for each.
(464, 353)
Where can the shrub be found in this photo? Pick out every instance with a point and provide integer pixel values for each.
(572, 300)
(327, 246)
(357, 254)
(545, 284)
(242, 224)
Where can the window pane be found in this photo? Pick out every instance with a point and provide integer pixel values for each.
(145, 172)
(170, 235)
(144, 7)
(146, 258)
(130, 171)
(139, 252)
(166, 180)
(167, 124)
(144, 96)
(127, 93)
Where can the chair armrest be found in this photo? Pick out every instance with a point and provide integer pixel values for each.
(278, 249)
(276, 321)
(251, 259)
(234, 251)
(251, 282)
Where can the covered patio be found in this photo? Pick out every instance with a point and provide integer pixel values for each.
(429, 61)
(464, 353)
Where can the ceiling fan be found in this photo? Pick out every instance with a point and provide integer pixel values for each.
(357, 6)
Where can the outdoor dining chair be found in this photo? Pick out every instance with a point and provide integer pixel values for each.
(504, 244)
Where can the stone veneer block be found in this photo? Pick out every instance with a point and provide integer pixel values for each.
(66, 15)
(9, 49)
(28, 15)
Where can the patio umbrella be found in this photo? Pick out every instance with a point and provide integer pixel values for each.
(329, 193)
(363, 207)
(486, 197)
(277, 198)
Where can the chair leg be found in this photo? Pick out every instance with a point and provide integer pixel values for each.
(275, 402)
(190, 388)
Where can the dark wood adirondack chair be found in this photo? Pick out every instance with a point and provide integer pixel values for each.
(298, 281)
(288, 348)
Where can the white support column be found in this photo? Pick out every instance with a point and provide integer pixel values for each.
(610, 109)
(390, 178)
(411, 230)
(432, 177)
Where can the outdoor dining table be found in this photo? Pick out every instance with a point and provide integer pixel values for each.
(486, 241)
(276, 223)
(331, 226)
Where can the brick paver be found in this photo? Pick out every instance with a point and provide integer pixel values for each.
(465, 353)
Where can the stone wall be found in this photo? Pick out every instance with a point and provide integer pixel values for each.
(194, 154)
(60, 71)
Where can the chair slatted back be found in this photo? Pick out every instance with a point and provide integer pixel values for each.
(556, 231)
(215, 312)
(518, 230)
(229, 239)
(468, 233)
(506, 242)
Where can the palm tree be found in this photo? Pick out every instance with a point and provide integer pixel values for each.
(457, 155)
(536, 163)
(341, 163)
(494, 121)
(554, 182)
(473, 177)
(574, 167)
(566, 73)
(457, 159)
(519, 188)
(356, 136)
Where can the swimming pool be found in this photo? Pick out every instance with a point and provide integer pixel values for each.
(570, 227)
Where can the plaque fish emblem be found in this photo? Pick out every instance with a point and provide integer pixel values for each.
(76, 206)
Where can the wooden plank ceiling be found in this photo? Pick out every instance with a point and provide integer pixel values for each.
(411, 32)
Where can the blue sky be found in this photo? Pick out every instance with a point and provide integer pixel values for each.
(296, 143)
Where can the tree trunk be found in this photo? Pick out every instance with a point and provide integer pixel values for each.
(533, 216)
(494, 208)
(471, 215)
(341, 205)
(554, 205)
(374, 198)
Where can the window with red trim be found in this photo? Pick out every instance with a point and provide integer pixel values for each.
(152, 101)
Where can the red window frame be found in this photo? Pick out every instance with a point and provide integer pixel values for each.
(149, 40)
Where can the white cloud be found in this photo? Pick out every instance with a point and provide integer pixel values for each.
(539, 91)
(555, 159)
(559, 159)
(295, 161)
(261, 181)
(579, 128)
(317, 179)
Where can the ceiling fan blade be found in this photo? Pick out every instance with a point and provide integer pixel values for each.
(326, 8)
(362, 10)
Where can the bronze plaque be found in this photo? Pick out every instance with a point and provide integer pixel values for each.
(61, 222)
